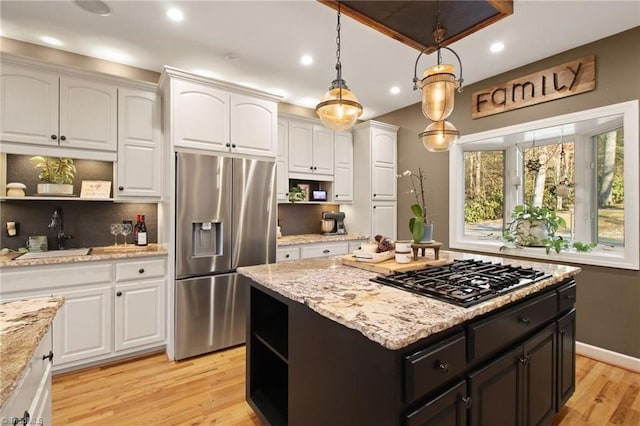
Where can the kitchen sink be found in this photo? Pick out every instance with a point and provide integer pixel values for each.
(54, 253)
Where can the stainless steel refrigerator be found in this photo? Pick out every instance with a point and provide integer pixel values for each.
(225, 218)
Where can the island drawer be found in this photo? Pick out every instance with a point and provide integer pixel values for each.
(567, 296)
(289, 253)
(431, 367)
(323, 250)
(497, 332)
(126, 271)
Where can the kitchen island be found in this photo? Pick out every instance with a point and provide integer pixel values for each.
(326, 345)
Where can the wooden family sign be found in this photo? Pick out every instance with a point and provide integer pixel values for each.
(568, 79)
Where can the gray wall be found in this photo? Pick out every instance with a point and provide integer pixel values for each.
(608, 299)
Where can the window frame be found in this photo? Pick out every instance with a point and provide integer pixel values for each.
(627, 257)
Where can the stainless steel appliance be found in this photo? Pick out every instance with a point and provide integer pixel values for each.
(225, 218)
(463, 282)
(335, 220)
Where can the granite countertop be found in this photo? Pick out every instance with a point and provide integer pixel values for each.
(391, 317)
(23, 323)
(290, 240)
(96, 253)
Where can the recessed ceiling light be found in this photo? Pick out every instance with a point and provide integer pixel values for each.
(394, 90)
(175, 14)
(497, 47)
(96, 7)
(306, 60)
(51, 40)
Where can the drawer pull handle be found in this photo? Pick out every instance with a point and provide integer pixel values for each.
(119, 294)
(54, 137)
(562, 331)
(325, 251)
(524, 359)
(121, 188)
(141, 271)
(570, 296)
(444, 366)
(467, 401)
(24, 420)
(525, 320)
(50, 356)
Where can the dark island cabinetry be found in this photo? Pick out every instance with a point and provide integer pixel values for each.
(512, 366)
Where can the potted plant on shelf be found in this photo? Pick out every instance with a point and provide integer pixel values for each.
(420, 224)
(536, 226)
(56, 173)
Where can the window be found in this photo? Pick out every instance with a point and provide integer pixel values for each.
(576, 164)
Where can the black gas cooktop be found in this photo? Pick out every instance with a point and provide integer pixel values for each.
(463, 282)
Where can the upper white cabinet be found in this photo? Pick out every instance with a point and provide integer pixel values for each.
(139, 144)
(383, 163)
(310, 151)
(44, 108)
(282, 165)
(343, 167)
(210, 115)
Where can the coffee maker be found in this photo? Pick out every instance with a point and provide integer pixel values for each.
(333, 223)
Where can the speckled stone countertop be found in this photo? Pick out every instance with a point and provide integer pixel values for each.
(391, 317)
(96, 253)
(291, 240)
(23, 323)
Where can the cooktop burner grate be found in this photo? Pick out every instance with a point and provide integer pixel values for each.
(463, 282)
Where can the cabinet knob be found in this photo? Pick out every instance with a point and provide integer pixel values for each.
(375, 195)
(315, 168)
(310, 167)
(562, 331)
(467, 401)
(375, 207)
(233, 145)
(49, 356)
(141, 271)
(63, 138)
(326, 251)
(54, 137)
(119, 294)
(337, 195)
(570, 296)
(121, 188)
(525, 320)
(524, 359)
(287, 256)
(227, 145)
(444, 366)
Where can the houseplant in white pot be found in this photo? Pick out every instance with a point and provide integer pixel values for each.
(56, 174)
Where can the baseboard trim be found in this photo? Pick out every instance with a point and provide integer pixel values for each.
(614, 358)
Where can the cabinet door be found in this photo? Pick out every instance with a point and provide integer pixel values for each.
(282, 166)
(383, 219)
(253, 126)
(139, 314)
(322, 150)
(496, 392)
(139, 144)
(29, 105)
(566, 357)
(383, 167)
(343, 170)
(300, 147)
(447, 409)
(88, 114)
(82, 327)
(539, 365)
(200, 116)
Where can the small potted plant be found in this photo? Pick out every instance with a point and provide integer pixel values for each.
(56, 173)
(420, 224)
(536, 226)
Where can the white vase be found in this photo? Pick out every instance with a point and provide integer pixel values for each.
(55, 188)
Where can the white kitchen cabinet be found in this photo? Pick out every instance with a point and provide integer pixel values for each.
(311, 149)
(282, 164)
(211, 115)
(43, 108)
(343, 167)
(139, 164)
(32, 395)
(374, 177)
(308, 251)
(288, 253)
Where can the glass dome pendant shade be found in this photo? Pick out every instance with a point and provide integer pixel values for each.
(439, 136)
(438, 87)
(339, 109)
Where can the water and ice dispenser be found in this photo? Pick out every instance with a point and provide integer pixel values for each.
(206, 238)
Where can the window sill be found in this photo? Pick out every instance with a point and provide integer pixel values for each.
(599, 256)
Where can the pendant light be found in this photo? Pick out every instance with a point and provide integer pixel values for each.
(338, 109)
(438, 86)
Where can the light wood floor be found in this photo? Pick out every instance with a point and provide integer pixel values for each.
(210, 390)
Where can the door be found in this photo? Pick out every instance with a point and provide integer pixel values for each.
(447, 409)
(343, 167)
(383, 219)
(566, 357)
(539, 378)
(282, 165)
(254, 212)
(210, 314)
(383, 156)
(139, 314)
(203, 214)
(322, 150)
(253, 126)
(300, 147)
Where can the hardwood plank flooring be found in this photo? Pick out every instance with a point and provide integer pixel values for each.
(209, 390)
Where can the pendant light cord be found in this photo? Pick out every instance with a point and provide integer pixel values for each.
(338, 64)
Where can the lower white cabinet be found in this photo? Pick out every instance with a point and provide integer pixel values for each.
(383, 219)
(30, 401)
(111, 308)
(287, 253)
(323, 250)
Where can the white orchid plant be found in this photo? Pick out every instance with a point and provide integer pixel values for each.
(419, 209)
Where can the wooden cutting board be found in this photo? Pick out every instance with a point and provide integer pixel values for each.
(389, 266)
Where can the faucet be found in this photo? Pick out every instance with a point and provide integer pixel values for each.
(57, 222)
